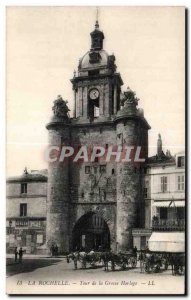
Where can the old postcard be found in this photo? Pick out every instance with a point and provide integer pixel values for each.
(95, 150)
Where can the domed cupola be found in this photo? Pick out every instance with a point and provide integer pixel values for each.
(96, 58)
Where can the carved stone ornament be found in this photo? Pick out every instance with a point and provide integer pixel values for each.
(128, 97)
(60, 107)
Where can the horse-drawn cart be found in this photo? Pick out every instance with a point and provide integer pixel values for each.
(123, 260)
(106, 259)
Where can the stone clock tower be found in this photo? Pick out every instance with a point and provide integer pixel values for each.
(97, 87)
(96, 204)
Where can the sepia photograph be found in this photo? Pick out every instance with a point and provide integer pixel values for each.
(95, 146)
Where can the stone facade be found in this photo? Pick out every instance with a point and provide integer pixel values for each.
(26, 212)
(110, 190)
(167, 177)
(164, 195)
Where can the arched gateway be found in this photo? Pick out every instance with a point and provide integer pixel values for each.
(91, 232)
(101, 118)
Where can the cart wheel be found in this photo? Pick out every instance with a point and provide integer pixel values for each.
(181, 270)
(147, 269)
(124, 266)
(157, 268)
(112, 266)
(133, 262)
(153, 268)
(166, 266)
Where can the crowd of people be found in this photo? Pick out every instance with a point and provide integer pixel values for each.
(144, 256)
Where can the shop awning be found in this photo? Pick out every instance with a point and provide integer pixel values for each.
(167, 242)
(177, 203)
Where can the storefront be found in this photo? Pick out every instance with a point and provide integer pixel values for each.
(167, 242)
(141, 237)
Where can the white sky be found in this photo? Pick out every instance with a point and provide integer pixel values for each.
(43, 48)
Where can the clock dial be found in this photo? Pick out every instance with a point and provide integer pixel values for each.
(94, 94)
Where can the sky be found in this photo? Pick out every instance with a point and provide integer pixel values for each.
(43, 48)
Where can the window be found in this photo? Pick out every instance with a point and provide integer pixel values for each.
(164, 184)
(93, 109)
(145, 192)
(181, 183)
(102, 169)
(163, 213)
(96, 111)
(113, 171)
(95, 170)
(181, 162)
(23, 210)
(87, 169)
(23, 188)
(180, 213)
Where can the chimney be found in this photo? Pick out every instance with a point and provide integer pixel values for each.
(159, 146)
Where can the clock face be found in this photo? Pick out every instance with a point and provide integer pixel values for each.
(94, 94)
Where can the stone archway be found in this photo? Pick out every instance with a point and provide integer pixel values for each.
(91, 232)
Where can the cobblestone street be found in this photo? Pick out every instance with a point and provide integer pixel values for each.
(55, 275)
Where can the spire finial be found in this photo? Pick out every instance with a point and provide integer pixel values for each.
(97, 23)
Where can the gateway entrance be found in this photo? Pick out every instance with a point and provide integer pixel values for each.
(91, 232)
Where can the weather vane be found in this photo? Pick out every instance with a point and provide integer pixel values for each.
(97, 14)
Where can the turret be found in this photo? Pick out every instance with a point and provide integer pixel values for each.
(132, 131)
(58, 179)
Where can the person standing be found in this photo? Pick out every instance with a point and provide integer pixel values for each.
(16, 253)
(141, 258)
(21, 255)
(52, 250)
(135, 251)
(56, 250)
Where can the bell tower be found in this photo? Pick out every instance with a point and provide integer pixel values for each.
(105, 189)
(97, 85)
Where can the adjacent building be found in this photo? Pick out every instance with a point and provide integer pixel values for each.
(26, 211)
(164, 202)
